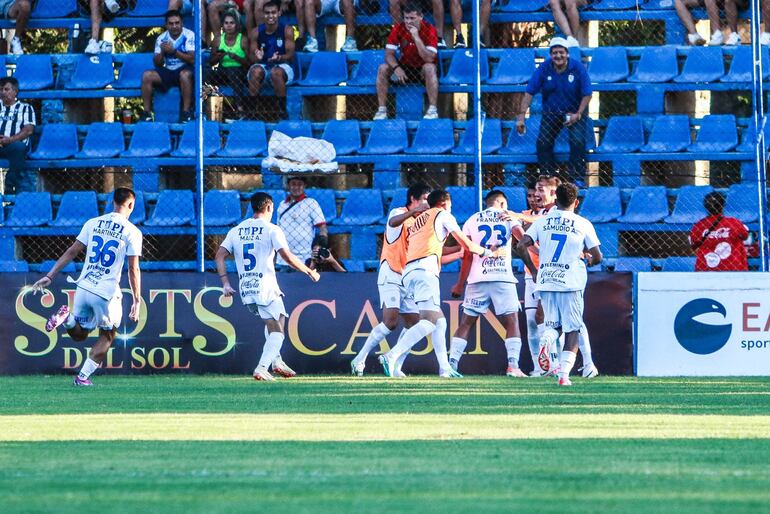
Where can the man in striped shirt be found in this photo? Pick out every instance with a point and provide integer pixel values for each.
(17, 122)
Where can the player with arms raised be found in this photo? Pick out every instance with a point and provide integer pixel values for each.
(563, 237)
(490, 280)
(253, 244)
(108, 239)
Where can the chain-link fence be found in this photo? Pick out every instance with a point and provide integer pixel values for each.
(627, 104)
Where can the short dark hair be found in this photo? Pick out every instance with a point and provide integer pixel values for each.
(173, 13)
(532, 184)
(437, 196)
(714, 203)
(10, 80)
(493, 195)
(566, 194)
(272, 3)
(232, 13)
(122, 194)
(296, 177)
(260, 201)
(416, 191)
(412, 6)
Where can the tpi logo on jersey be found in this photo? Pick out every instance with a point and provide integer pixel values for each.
(696, 336)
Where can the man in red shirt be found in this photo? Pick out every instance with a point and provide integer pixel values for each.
(417, 40)
(718, 240)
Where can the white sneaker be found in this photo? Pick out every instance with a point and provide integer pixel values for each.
(589, 371)
(349, 45)
(112, 5)
(388, 364)
(514, 372)
(397, 373)
(764, 38)
(93, 47)
(449, 373)
(263, 375)
(536, 373)
(16, 48)
(733, 39)
(431, 113)
(717, 38)
(565, 382)
(381, 114)
(357, 370)
(283, 369)
(311, 45)
(696, 39)
(572, 42)
(105, 47)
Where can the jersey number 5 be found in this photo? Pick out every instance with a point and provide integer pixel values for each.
(561, 240)
(103, 252)
(249, 261)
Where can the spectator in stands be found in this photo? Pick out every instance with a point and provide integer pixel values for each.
(764, 37)
(718, 240)
(566, 90)
(456, 12)
(18, 123)
(99, 9)
(731, 8)
(417, 40)
(322, 258)
(271, 49)
(567, 18)
(215, 10)
(299, 217)
(314, 9)
(174, 58)
(398, 7)
(16, 10)
(229, 52)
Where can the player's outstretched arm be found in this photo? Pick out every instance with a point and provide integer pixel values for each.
(295, 263)
(523, 250)
(470, 246)
(135, 282)
(399, 219)
(71, 252)
(219, 258)
(595, 256)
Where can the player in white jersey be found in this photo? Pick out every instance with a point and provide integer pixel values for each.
(564, 238)
(108, 239)
(394, 300)
(490, 280)
(253, 244)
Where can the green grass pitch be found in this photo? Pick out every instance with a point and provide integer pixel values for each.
(338, 444)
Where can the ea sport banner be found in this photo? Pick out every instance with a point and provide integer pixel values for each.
(703, 324)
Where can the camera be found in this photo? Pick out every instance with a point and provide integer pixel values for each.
(324, 253)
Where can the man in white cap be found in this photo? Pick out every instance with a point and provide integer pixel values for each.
(566, 90)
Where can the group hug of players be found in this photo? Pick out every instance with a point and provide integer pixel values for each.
(554, 243)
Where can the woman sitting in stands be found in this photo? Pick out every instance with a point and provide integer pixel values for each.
(229, 53)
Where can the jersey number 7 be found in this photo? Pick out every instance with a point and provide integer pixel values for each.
(561, 240)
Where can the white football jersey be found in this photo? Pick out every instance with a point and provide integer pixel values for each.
(562, 236)
(254, 243)
(108, 239)
(387, 275)
(486, 229)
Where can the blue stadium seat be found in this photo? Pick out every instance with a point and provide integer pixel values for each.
(353, 265)
(517, 197)
(31, 210)
(54, 8)
(150, 139)
(491, 137)
(562, 140)
(130, 73)
(103, 141)
(750, 134)
(689, 205)
(75, 209)
(345, 135)
(34, 72)
(743, 203)
(601, 204)
(278, 195)
(326, 69)
(326, 200)
(648, 204)
(365, 74)
(47, 265)
(624, 134)
(433, 137)
(657, 64)
(674, 263)
(188, 143)
(58, 141)
(614, 5)
(464, 203)
(398, 199)
(175, 207)
(655, 5)
(669, 134)
(523, 5)
(386, 137)
(718, 133)
(92, 72)
(515, 66)
(742, 64)
(362, 207)
(634, 264)
(523, 144)
(221, 208)
(149, 8)
(295, 128)
(245, 139)
(14, 266)
(609, 64)
(138, 215)
(461, 70)
(703, 64)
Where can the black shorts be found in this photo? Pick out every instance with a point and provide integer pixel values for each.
(170, 78)
(413, 75)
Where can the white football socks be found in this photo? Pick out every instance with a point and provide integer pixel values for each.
(88, 368)
(533, 336)
(271, 350)
(412, 337)
(456, 348)
(567, 361)
(439, 344)
(585, 346)
(513, 349)
(376, 336)
(402, 357)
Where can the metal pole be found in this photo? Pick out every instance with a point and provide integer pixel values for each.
(199, 133)
(478, 119)
(760, 147)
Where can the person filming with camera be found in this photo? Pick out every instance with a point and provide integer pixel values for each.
(321, 258)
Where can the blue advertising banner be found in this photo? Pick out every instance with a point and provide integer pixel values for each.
(186, 326)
